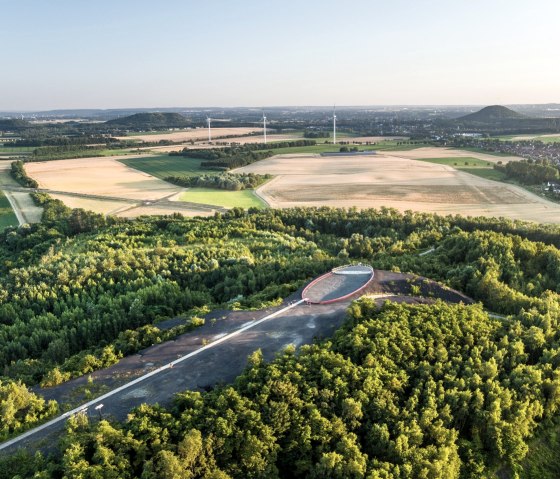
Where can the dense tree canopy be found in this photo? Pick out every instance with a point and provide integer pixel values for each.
(409, 391)
(223, 181)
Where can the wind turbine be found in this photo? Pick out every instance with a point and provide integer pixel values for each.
(209, 121)
(264, 127)
(334, 125)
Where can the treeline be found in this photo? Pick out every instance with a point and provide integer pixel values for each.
(223, 181)
(316, 134)
(21, 409)
(63, 141)
(238, 156)
(64, 152)
(408, 391)
(17, 170)
(530, 172)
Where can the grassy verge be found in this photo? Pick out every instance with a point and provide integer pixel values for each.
(7, 215)
(474, 166)
(228, 199)
(541, 461)
(487, 173)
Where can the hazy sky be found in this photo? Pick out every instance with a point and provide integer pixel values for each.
(136, 53)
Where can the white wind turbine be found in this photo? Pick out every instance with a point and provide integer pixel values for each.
(264, 127)
(209, 121)
(334, 125)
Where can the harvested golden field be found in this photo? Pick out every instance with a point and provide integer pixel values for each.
(102, 176)
(107, 186)
(394, 181)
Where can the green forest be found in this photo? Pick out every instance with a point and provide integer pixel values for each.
(222, 181)
(223, 159)
(407, 391)
(530, 172)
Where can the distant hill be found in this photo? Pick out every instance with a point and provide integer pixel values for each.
(493, 114)
(13, 124)
(150, 120)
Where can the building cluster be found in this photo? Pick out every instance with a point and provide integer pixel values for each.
(529, 149)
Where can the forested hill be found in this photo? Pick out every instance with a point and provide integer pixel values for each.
(150, 121)
(492, 114)
(409, 391)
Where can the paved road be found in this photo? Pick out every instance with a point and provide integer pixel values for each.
(201, 367)
(23, 206)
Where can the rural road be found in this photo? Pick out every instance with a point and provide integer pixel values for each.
(24, 208)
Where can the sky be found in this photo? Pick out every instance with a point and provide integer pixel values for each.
(62, 54)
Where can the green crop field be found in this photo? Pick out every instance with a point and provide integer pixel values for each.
(488, 173)
(164, 165)
(7, 216)
(15, 150)
(460, 162)
(474, 166)
(480, 150)
(228, 199)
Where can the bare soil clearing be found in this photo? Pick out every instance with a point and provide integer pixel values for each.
(394, 180)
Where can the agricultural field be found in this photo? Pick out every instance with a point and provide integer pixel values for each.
(438, 152)
(546, 138)
(7, 151)
(107, 186)
(98, 176)
(7, 215)
(228, 199)
(460, 162)
(396, 179)
(195, 134)
(163, 166)
(474, 166)
(485, 152)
